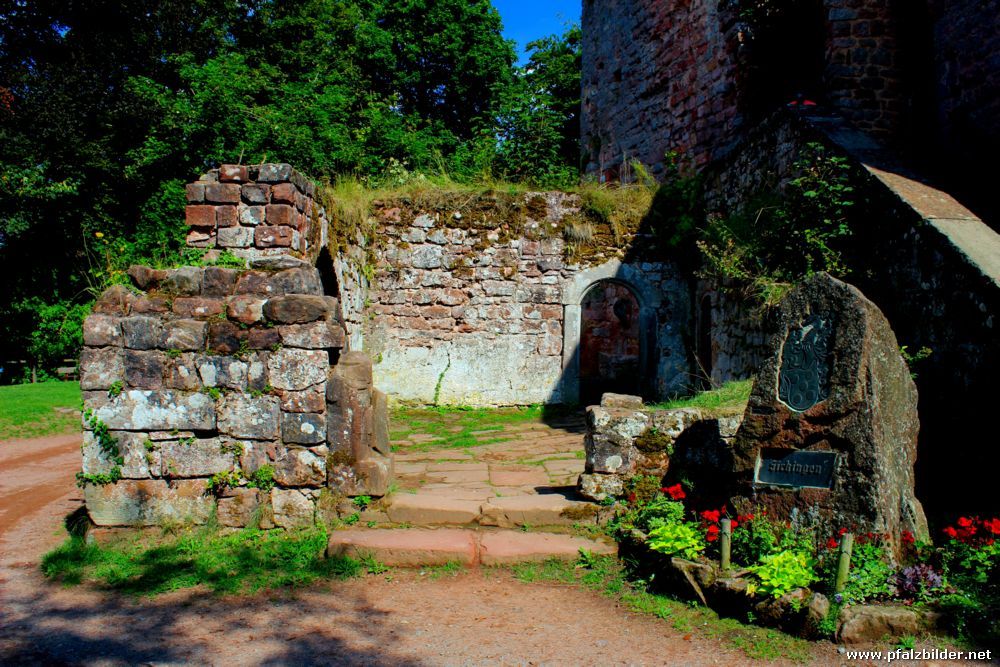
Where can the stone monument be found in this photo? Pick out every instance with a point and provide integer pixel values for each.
(829, 438)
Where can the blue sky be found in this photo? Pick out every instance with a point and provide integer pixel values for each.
(526, 20)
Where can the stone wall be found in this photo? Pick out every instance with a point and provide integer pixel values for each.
(690, 76)
(657, 76)
(480, 304)
(234, 391)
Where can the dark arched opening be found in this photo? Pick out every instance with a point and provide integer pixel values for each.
(327, 274)
(610, 342)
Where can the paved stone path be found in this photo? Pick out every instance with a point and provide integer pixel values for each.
(525, 479)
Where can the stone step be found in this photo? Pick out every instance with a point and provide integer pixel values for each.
(419, 547)
(458, 506)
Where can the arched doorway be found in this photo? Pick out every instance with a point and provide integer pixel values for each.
(610, 342)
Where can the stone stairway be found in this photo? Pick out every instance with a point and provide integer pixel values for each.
(491, 504)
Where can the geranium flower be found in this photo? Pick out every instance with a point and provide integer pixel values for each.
(964, 522)
(831, 543)
(711, 515)
(842, 532)
(993, 525)
(712, 534)
(676, 492)
(951, 532)
(908, 537)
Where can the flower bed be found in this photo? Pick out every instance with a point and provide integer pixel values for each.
(784, 574)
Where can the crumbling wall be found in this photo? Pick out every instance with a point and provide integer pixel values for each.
(470, 305)
(232, 391)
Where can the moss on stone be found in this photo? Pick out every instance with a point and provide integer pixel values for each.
(653, 441)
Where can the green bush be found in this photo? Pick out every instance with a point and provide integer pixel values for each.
(677, 538)
(782, 572)
(659, 511)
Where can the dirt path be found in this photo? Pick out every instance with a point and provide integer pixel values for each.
(402, 618)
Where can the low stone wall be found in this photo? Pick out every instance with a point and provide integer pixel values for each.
(480, 303)
(210, 389)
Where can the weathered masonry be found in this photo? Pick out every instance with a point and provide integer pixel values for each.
(211, 389)
(484, 304)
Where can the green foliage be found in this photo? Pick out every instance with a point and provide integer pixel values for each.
(362, 502)
(677, 538)
(107, 443)
(729, 399)
(262, 478)
(677, 208)
(29, 410)
(221, 481)
(782, 572)
(776, 241)
(659, 511)
(870, 576)
(115, 389)
(914, 358)
(241, 562)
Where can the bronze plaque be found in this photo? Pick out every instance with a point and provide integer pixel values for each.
(804, 377)
(796, 469)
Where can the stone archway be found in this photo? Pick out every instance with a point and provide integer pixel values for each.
(645, 296)
(610, 342)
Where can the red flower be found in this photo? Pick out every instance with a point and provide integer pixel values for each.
(632, 497)
(675, 492)
(711, 515)
(842, 532)
(735, 524)
(712, 534)
(831, 543)
(964, 522)
(908, 537)
(993, 525)
(951, 532)
(744, 518)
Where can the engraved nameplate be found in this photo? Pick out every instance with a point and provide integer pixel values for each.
(795, 469)
(803, 380)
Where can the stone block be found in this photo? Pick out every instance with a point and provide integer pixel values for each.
(195, 192)
(218, 281)
(294, 370)
(251, 216)
(380, 427)
(194, 458)
(238, 508)
(303, 428)
(601, 487)
(255, 282)
(185, 281)
(152, 305)
(863, 624)
(310, 400)
(298, 280)
(234, 173)
(138, 460)
(235, 237)
(279, 215)
(264, 338)
(274, 173)
(144, 410)
(141, 333)
(197, 306)
(610, 400)
(225, 217)
(293, 508)
(222, 193)
(181, 372)
(101, 367)
(299, 467)
(227, 372)
(184, 335)
(116, 300)
(202, 217)
(242, 416)
(143, 370)
(225, 337)
(201, 238)
(314, 335)
(427, 257)
(256, 193)
(148, 502)
(283, 193)
(299, 308)
(245, 309)
(102, 330)
(273, 237)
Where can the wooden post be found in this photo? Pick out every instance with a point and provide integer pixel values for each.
(725, 543)
(844, 564)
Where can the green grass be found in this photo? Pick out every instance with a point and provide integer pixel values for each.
(729, 399)
(241, 562)
(28, 410)
(459, 427)
(450, 569)
(607, 576)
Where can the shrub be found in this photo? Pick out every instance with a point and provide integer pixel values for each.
(782, 572)
(677, 538)
(658, 512)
